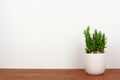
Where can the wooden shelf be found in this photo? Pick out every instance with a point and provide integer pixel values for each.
(56, 74)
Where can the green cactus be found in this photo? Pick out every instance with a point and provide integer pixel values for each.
(95, 43)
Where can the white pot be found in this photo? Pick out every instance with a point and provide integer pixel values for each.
(95, 63)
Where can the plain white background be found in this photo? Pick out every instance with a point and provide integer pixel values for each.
(49, 33)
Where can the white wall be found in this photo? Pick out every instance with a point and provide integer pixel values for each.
(49, 33)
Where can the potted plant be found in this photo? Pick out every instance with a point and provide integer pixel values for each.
(95, 58)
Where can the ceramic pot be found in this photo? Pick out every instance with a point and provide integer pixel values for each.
(95, 63)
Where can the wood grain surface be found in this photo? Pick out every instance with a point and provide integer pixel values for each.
(56, 74)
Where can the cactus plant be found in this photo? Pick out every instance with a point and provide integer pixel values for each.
(96, 42)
